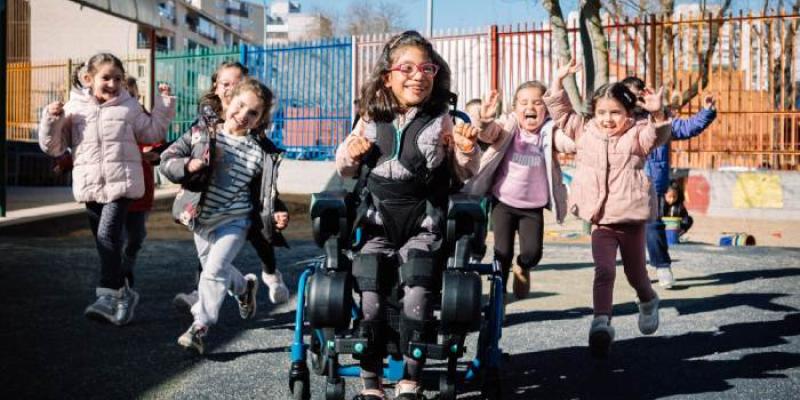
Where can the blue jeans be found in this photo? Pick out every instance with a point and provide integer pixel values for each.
(657, 249)
(107, 222)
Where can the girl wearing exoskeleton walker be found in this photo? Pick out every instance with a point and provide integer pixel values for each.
(521, 173)
(218, 98)
(225, 175)
(610, 190)
(410, 154)
(101, 125)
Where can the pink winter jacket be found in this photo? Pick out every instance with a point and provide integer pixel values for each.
(609, 185)
(103, 139)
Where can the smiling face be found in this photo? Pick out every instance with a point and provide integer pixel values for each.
(610, 116)
(106, 82)
(529, 109)
(412, 89)
(227, 78)
(243, 113)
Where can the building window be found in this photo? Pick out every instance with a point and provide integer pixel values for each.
(207, 29)
(142, 38)
(166, 9)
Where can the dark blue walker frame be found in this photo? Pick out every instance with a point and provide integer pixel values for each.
(488, 357)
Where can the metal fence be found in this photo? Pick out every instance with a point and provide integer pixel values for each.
(32, 86)
(753, 71)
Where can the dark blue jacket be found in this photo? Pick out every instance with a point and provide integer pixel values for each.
(657, 165)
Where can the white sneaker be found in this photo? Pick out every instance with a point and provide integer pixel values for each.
(104, 307)
(126, 303)
(278, 292)
(184, 301)
(665, 278)
(648, 316)
(601, 334)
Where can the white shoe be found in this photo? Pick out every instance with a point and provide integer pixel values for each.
(601, 334)
(648, 316)
(185, 301)
(278, 292)
(665, 278)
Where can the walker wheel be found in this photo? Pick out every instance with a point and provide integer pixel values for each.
(301, 389)
(334, 391)
(318, 359)
(447, 389)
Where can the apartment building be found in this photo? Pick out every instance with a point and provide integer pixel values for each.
(285, 22)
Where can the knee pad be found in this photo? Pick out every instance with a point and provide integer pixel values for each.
(372, 272)
(374, 333)
(416, 332)
(419, 270)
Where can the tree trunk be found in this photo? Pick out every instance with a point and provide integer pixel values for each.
(590, 18)
(705, 58)
(561, 41)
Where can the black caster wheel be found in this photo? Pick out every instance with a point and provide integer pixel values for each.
(317, 355)
(447, 389)
(334, 391)
(301, 389)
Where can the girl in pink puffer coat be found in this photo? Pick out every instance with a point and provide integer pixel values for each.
(611, 190)
(101, 124)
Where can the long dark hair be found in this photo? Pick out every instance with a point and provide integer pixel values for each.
(615, 91)
(378, 102)
(211, 98)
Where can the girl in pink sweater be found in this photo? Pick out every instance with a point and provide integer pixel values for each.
(611, 190)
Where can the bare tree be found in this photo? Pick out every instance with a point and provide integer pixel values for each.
(561, 44)
(373, 17)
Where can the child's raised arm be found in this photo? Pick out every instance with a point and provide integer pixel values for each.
(54, 129)
(491, 131)
(659, 129)
(177, 163)
(352, 150)
(153, 128)
(558, 104)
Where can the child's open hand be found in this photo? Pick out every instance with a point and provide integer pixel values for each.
(358, 147)
(281, 219)
(567, 69)
(195, 165)
(489, 105)
(55, 109)
(164, 89)
(653, 101)
(464, 136)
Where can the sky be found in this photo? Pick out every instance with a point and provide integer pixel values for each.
(450, 14)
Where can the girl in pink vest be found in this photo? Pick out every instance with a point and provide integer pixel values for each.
(611, 190)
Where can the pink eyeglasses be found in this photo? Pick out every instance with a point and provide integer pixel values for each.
(427, 69)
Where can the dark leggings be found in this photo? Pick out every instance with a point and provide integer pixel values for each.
(135, 233)
(107, 222)
(506, 222)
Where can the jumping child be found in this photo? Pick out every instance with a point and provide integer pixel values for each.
(611, 190)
